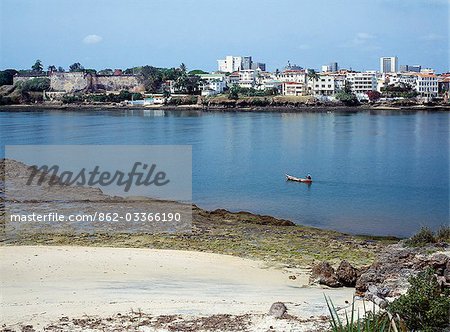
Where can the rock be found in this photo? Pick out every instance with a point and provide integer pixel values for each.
(346, 274)
(382, 303)
(438, 263)
(447, 271)
(323, 273)
(370, 277)
(278, 309)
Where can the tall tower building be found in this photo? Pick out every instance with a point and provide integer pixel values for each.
(389, 64)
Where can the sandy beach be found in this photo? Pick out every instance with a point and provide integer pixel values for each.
(41, 284)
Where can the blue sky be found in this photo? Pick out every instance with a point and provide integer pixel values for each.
(164, 33)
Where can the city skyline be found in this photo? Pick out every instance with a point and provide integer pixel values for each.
(116, 35)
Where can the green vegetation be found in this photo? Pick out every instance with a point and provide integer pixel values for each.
(402, 91)
(182, 100)
(37, 67)
(425, 307)
(346, 96)
(6, 76)
(372, 321)
(197, 72)
(76, 67)
(426, 236)
(37, 84)
(312, 76)
(236, 92)
(101, 97)
(155, 79)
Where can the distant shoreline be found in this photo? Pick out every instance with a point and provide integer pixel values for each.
(281, 109)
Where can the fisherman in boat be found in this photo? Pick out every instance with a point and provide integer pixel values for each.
(309, 177)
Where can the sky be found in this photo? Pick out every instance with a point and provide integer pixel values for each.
(164, 33)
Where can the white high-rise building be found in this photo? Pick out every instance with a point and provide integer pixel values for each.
(389, 64)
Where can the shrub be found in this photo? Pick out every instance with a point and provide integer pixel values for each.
(347, 98)
(423, 237)
(443, 234)
(425, 306)
(37, 84)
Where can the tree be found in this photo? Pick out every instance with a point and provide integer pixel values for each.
(6, 76)
(373, 95)
(51, 68)
(106, 71)
(152, 78)
(233, 93)
(76, 67)
(183, 68)
(61, 69)
(37, 67)
(189, 84)
(311, 75)
(346, 96)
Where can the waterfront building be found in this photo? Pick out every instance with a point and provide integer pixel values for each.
(213, 84)
(247, 78)
(292, 88)
(292, 75)
(323, 86)
(361, 83)
(389, 64)
(233, 78)
(427, 85)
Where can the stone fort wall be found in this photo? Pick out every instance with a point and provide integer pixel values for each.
(72, 82)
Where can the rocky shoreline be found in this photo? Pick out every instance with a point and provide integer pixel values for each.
(225, 108)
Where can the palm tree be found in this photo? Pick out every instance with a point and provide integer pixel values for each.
(311, 75)
(183, 68)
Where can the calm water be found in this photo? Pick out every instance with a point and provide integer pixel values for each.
(385, 174)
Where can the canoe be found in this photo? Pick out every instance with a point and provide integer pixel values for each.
(293, 178)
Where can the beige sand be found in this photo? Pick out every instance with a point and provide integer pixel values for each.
(40, 284)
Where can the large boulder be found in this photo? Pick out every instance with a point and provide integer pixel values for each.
(347, 274)
(324, 274)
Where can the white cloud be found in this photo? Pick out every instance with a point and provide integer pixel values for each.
(92, 39)
(432, 37)
(362, 38)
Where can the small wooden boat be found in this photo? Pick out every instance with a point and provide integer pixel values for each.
(293, 178)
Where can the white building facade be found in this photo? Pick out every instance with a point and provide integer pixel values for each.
(213, 84)
(427, 85)
(361, 83)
